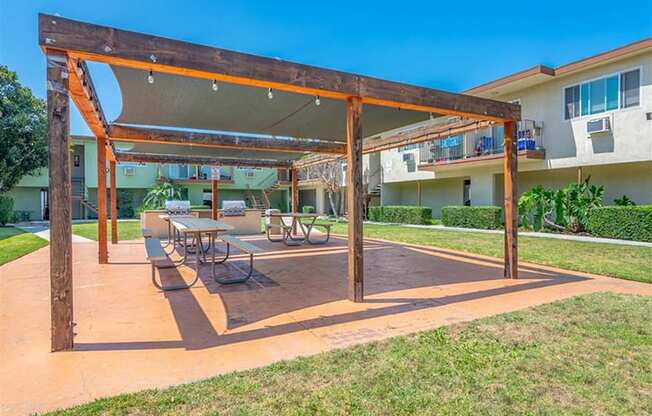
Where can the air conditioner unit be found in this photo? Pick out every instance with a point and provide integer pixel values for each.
(599, 125)
(129, 171)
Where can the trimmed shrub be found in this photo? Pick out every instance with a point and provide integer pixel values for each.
(401, 214)
(622, 222)
(487, 217)
(6, 210)
(308, 209)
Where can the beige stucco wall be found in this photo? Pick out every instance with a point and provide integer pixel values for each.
(434, 193)
(566, 141)
(631, 179)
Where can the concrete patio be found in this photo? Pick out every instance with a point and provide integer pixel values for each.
(131, 336)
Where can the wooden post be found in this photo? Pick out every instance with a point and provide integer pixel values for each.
(114, 204)
(579, 175)
(102, 255)
(61, 328)
(354, 198)
(419, 193)
(295, 197)
(214, 203)
(510, 169)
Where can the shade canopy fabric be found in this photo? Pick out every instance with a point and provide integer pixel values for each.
(187, 150)
(185, 102)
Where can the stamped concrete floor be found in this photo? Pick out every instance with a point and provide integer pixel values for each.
(131, 336)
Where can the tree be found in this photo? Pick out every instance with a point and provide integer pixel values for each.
(157, 196)
(330, 175)
(23, 131)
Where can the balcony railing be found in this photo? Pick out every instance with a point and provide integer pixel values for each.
(189, 173)
(480, 143)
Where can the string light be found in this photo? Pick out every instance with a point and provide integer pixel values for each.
(270, 94)
(150, 77)
(215, 86)
(317, 100)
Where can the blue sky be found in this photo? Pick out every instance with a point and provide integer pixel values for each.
(445, 45)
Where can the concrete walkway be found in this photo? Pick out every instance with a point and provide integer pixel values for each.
(131, 336)
(581, 238)
(42, 230)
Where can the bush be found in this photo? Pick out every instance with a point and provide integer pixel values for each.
(401, 214)
(488, 217)
(308, 209)
(6, 210)
(622, 222)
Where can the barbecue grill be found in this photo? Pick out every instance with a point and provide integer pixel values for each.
(235, 208)
(177, 207)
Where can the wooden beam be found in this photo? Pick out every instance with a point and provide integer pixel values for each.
(146, 52)
(102, 246)
(214, 199)
(354, 198)
(114, 203)
(198, 160)
(61, 312)
(423, 134)
(510, 170)
(402, 138)
(84, 95)
(294, 197)
(225, 141)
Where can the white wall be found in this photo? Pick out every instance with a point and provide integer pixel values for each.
(566, 141)
(631, 179)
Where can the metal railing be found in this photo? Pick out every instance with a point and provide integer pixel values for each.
(479, 143)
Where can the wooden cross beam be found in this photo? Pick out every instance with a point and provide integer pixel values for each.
(226, 141)
(198, 160)
(141, 51)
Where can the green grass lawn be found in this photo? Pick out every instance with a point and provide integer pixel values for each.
(625, 262)
(16, 243)
(127, 230)
(582, 356)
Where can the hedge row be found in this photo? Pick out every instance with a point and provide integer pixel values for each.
(488, 217)
(308, 209)
(401, 214)
(626, 223)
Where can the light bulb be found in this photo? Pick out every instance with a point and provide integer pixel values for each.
(270, 94)
(317, 101)
(215, 86)
(150, 77)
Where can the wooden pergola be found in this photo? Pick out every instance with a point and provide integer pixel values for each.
(68, 44)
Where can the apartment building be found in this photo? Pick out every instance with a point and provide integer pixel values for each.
(589, 117)
(133, 180)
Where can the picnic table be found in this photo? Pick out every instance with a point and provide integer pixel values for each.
(306, 222)
(197, 228)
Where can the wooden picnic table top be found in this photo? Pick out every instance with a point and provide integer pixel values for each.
(166, 217)
(198, 225)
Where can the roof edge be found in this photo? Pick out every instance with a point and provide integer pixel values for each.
(619, 52)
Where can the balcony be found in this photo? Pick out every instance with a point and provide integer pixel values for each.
(484, 146)
(185, 174)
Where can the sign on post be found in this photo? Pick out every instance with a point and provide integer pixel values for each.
(215, 173)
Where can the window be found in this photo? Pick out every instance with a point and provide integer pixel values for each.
(602, 94)
(408, 147)
(572, 102)
(629, 91)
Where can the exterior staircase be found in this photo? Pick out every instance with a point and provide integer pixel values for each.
(88, 205)
(268, 191)
(255, 203)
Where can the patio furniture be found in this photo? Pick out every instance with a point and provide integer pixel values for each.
(244, 246)
(155, 253)
(146, 232)
(286, 229)
(326, 227)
